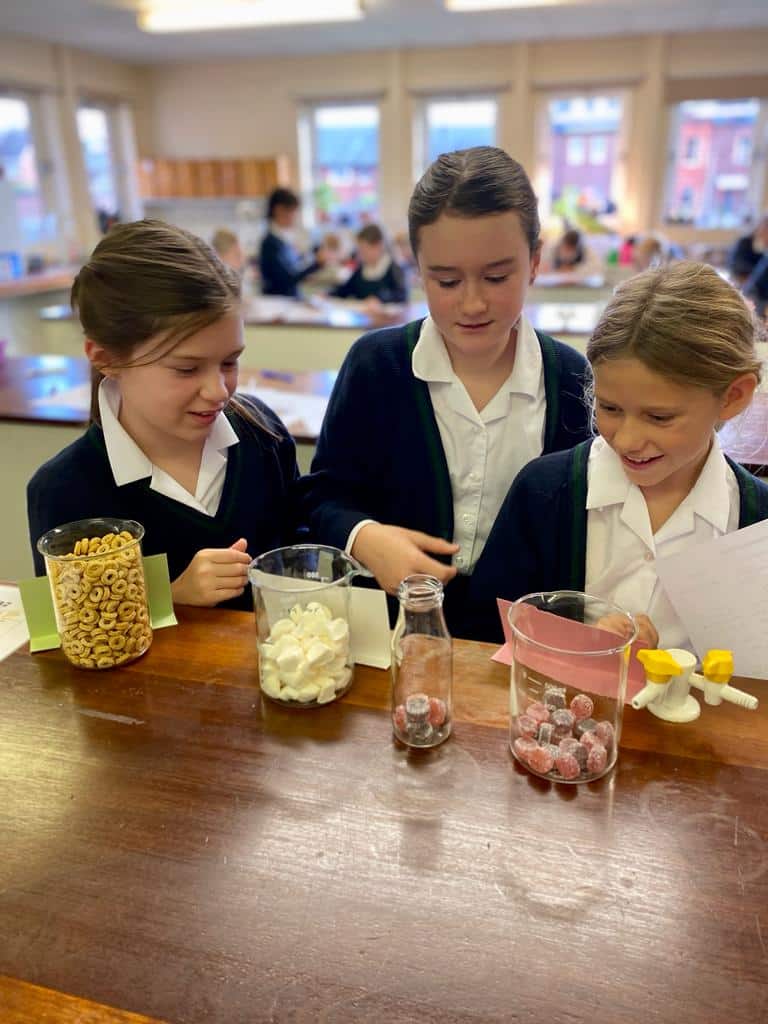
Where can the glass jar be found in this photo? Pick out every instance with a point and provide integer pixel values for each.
(96, 576)
(301, 596)
(570, 656)
(422, 665)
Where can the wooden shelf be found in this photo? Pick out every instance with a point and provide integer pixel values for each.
(242, 178)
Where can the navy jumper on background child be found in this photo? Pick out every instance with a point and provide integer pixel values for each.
(428, 423)
(673, 356)
(209, 474)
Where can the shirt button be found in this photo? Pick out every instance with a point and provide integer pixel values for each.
(459, 560)
(467, 518)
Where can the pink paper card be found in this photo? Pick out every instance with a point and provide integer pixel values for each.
(593, 675)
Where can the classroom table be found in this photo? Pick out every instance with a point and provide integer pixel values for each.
(20, 302)
(177, 847)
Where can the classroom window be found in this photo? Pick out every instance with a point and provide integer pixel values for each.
(448, 124)
(713, 180)
(22, 208)
(96, 138)
(580, 158)
(343, 162)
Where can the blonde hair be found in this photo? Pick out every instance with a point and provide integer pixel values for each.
(684, 322)
(148, 279)
(223, 240)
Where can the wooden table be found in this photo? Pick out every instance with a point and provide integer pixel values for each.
(175, 848)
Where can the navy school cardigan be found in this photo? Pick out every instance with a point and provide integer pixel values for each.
(256, 502)
(380, 456)
(539, 540)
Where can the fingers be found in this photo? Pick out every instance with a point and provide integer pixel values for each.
(223, 556)
(239, 545)
(433, 568)
(436, 545)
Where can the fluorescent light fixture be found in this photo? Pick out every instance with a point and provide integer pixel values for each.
(206, 15)
(499, 5)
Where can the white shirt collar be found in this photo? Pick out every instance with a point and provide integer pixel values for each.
(378, 270)
(709, 498)
(430, 361)
(129, 463)
(285, 234)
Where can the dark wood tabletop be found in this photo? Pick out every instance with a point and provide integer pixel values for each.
(176, 848)
(25, 381)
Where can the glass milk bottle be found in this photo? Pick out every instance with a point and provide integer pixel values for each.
(422, 666)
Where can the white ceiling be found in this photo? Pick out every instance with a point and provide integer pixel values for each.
(109, 26)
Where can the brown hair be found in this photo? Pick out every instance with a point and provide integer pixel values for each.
(148, 279)
(473, 183)
(223, 240)
(683, 321)
(371, 234)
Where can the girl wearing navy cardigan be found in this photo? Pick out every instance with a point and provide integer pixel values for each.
(429, 423)
(206, 472)
(673, 356)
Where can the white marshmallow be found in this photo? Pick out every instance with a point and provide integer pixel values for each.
(270, 685)
(308, 692)
(339, 631)
(319, 609)
(290, 658)
(319, 653)
(326, 694)
(297, 678)
(288, 693)
(343, 679)
(280, 628)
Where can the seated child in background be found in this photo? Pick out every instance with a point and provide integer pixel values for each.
(572, 255)
(376, 276)
(647, 253)
(226, 245)
(673, 356)
(208, 473)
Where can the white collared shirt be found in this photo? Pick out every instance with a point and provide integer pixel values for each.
(622, 549)
(484, 450)
(377, 270)
(129, 463)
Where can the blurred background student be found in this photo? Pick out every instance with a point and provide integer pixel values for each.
(376, 275)
(226, 245)
(748, 251)
(572, 255)
(281, 266)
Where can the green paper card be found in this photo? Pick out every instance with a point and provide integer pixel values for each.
(41, 619)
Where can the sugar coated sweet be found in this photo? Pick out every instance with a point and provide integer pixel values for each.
(527, 726)
(589, 740)
(544, 734)
(524, 747)
(568, 766)
(554, 697)
(597, 758)
(584, 725)
(306, 656)
(562, 722)
(399, 718)
(582, 706)
(437, 712)
(605, 733)
(538, 711)
(541, 760)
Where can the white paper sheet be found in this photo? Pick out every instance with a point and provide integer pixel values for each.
(13, 625)
(720, 591)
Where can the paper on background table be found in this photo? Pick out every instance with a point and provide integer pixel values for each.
(41, 619)
(13, 627)
(571, 635)
(293, 407)
(719, 588)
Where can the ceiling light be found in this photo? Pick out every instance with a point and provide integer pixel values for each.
(498, 5)
(202, 15)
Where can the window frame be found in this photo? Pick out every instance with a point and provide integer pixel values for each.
(420, 122)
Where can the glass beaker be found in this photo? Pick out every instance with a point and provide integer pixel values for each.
(301, 598)
(422, 665)
(96, 576)
(570, 656)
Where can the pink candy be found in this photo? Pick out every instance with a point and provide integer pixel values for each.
(399, 718)
(605, 733)
(597, 759)
(524, 747)
(590, 740)
(527, 726)
(538, 711)
(541, 760)
(568, 766)
(437, 712)
(582, 706)
(563, 721)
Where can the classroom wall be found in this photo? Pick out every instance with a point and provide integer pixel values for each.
(239, 107)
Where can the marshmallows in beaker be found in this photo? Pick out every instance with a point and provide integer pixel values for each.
(305, 656)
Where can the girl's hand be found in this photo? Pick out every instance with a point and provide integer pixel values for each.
(646, 635)
(213, 575)
(392, 553)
